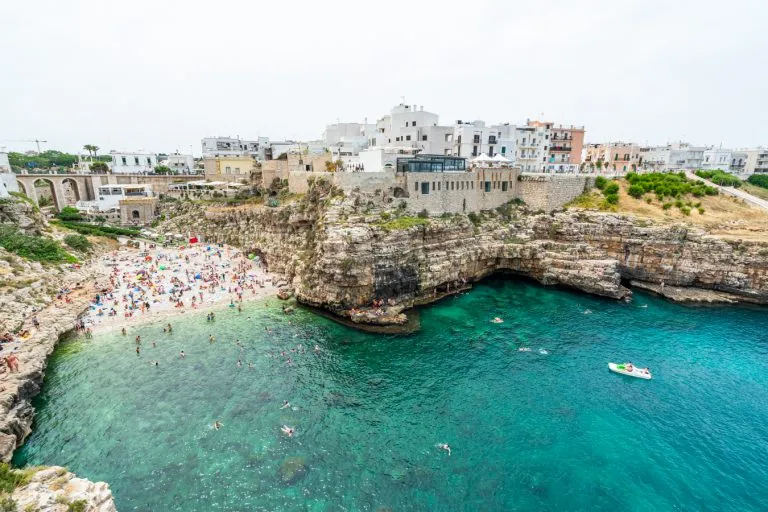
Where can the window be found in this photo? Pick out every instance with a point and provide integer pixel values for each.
(124, 161)
(407, 137)
(487, 186)
(413, 123)
(503, 150)
(449, 137)
(452, 186)
(439, 185)
(476, 139)
(425, 187)
(474, 150)
(433, 185)
(416, 188)
(447, 151)
(504, 186)
(491, 139)
(237, 170)
(136, 159)
(458, 139)
(149, 161)
(423, 137)
(228, 170)
(490, 151)
(473, 185)
(135, 214)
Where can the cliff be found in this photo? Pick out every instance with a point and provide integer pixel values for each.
(343, 253)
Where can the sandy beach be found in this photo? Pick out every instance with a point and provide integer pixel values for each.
(156, 282)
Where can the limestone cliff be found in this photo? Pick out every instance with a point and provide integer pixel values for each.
(342, 253)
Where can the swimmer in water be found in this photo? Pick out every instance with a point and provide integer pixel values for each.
(123, 330)
(497, 320)
(182, 354)
(286, 404)
(524, 349)
(154, 345)
(543, 352)
(444, 446)
(287, 430)
(239, 363)
(317, 348)
(587, 311)
(138, 351)
(217, 425)
(211, 338)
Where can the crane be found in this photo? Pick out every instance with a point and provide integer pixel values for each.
(36, 141)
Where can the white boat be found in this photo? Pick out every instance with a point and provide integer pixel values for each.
(623, 368)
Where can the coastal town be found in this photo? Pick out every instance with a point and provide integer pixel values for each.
(326, 257)
(361, 227)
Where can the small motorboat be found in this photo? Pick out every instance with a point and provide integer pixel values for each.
(629, 369)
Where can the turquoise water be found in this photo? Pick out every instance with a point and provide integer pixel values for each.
(528, 431)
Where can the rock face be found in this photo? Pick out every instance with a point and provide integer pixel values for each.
(55, 489)
(341, 254)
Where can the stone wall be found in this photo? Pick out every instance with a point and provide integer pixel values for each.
(365, 181)
(459, 192)
(298, 181)
(551, 191)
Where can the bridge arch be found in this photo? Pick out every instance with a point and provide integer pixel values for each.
(71, 192)
(43, 187)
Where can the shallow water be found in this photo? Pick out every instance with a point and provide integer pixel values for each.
(528, 431)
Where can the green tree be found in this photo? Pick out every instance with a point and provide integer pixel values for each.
(99, 167)
(91, 149)
(162, 169)
(70, 213)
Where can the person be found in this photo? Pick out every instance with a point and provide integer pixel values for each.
(182, 354)
(239, 363)
(170, 329)
(13, 362)
(497, 320)
(154, 345)
(444, 446)
(123, 330)
(629, 367)
(286, 404)
(138, 340)
(138, 350)
(217, 425)
(287, 430)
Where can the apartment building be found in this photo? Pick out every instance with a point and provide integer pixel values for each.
(474, 138)
(614, 156)
(139, 162)
(676, 156)
(532, 147)
(232, 146)
(717, 158)
(563, 147)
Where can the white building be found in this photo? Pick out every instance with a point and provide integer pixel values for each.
(756, 160)
(347, 139)
(5, 165)
(233, 146)
(410, 126)
(108, 197)
(179, 163)
(474, 138)
(8, 183)
(136, 163)
(383, 157)
(676, 156)
(717, 158)
(532, 150)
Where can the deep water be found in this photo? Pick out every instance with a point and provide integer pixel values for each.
(528, 431)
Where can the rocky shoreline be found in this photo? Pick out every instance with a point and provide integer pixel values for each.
(342, 254)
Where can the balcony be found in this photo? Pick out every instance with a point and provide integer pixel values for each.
(560, 148)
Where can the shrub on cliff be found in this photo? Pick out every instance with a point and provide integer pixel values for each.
(720, 177)
(36, 248)
(611, 188)
(12, 478)
(636, 191)
(600, 182)
(760, 180)
(78, 242)
(70, 213)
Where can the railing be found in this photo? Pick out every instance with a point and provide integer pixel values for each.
(559, 148)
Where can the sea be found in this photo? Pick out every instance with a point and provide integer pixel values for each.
(532, 415)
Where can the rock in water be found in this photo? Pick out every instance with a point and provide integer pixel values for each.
(292, 469)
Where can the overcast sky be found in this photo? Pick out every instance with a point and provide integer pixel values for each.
(161, 74)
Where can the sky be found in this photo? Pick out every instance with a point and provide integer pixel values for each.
(159, 75)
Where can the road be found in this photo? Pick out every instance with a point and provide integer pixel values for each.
(755, 201)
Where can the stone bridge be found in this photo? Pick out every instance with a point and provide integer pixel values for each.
(66, 189)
